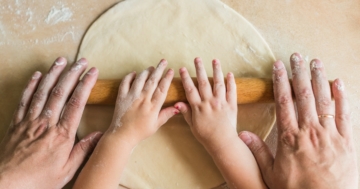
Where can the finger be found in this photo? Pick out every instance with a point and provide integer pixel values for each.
(166, 114)
(185, 110)
(342, 110)
(231, 93)
(25, 101)
(260, 151)
(191, 92)
(322, 93)
(219, 85)
(162, 89)
(46, 84)
(203, 81)
(74, 108)
(305, 101)
(152, 83)
(82, 150)
(285, 112)
(126, 84)
(62, 90)
(140, 80)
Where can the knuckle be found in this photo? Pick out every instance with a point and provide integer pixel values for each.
(39, 96)
(343, 117)
(189, 89)
(287, 137)
(219, 85)
(258, 148)
(202, 83)
(63, 133)
(324, 102)
(161, 89)
(151, 81)
(58, 92)
(304, 94)
(75, 102)
(284, 100)
(21, 105)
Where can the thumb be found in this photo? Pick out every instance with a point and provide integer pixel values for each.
(260, 150)
(185, 110)
(165, 114)
(82, 149)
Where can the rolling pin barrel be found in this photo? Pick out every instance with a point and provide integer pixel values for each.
(249, 90)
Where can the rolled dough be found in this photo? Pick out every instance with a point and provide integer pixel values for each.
(135, 34)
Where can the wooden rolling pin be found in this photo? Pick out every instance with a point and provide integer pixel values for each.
(249, 90)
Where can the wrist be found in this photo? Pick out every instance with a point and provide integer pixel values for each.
(123, 135)
(217, 144)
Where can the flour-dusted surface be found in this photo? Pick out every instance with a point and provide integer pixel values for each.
(325, 29)
(136, 34)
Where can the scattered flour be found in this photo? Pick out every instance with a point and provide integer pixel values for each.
(30, 14)
(17, 2)
(340, 86)
(121, 110)
(58, 15)
(2, 29)
(242, 55)
(48, 113)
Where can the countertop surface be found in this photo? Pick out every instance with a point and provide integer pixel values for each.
(33, 34)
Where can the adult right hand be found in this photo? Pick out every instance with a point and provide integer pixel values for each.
(316, 150)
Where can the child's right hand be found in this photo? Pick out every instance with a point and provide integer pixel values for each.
(212, 112)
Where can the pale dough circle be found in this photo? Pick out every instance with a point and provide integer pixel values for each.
(136, 34)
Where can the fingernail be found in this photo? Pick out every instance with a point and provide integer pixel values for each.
(314, 64)
(182, 70)
(278, 65)
(82, 61)
(340, 85)
(230, 74)
(163, 62)
(36, 75)
(92, 71)
(177, 107)
(176, 112)
(170, 71)
(79, 64)
(60, 61)
(246, 138)
(197, 60)
(296, 57)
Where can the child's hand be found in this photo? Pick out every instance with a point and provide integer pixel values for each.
(138, 111)
(213, 113)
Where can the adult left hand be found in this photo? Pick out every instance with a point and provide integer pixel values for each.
(38, 150)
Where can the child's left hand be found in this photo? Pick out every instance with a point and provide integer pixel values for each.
(212, 112)
(137, 115)
(138, 111)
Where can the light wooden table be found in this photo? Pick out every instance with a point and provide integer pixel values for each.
(34, 33)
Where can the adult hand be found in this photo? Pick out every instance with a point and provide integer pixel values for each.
(38, 150)
(316, 150)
